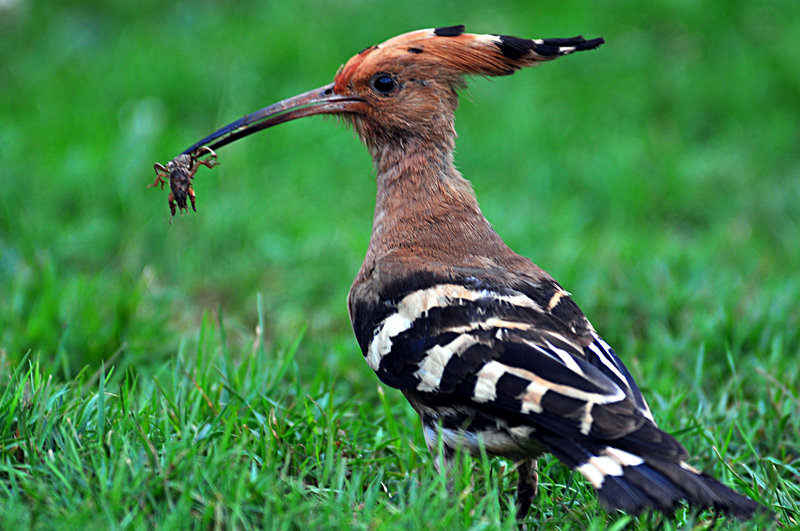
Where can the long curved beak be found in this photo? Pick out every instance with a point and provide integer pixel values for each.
(322, 100)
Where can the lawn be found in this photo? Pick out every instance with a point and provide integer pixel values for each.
(201, 370)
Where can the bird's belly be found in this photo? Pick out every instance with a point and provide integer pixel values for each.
(494, 442)
(462, 426)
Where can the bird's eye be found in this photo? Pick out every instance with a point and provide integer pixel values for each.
(384, 84)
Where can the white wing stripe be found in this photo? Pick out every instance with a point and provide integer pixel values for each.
(486, 388)
(603, 356)
(432, 366)
(486, 385)
(417, 304)
(610, 463)
(566, 358)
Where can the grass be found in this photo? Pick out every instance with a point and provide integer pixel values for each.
(203, 373)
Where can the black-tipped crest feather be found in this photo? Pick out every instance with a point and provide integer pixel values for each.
(515, 47)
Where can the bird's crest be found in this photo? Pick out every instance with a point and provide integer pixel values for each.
(453, 52)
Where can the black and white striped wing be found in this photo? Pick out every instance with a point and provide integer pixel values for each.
(525, 354)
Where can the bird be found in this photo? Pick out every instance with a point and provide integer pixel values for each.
(486, 346)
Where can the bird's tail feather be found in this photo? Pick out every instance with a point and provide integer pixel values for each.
(632, 483)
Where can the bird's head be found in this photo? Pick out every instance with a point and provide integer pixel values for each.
(406, 86)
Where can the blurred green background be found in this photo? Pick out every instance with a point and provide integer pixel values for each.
(658, 178)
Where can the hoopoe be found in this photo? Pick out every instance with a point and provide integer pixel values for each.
(489, 350)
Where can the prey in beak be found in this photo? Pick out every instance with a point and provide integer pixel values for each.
(181, 170)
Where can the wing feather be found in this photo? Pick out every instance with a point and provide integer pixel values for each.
(525, 352)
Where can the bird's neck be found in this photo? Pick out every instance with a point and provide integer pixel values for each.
(425, 211)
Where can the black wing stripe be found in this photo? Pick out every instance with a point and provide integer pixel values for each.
(432, 328)
(418, 303)
(432, 367)
(487, 388)
(609, 362)
(605, 354)
(468, 340)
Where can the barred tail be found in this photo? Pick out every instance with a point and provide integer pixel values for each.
(632, 483)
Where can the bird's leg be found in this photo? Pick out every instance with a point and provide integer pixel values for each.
(528, 485)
